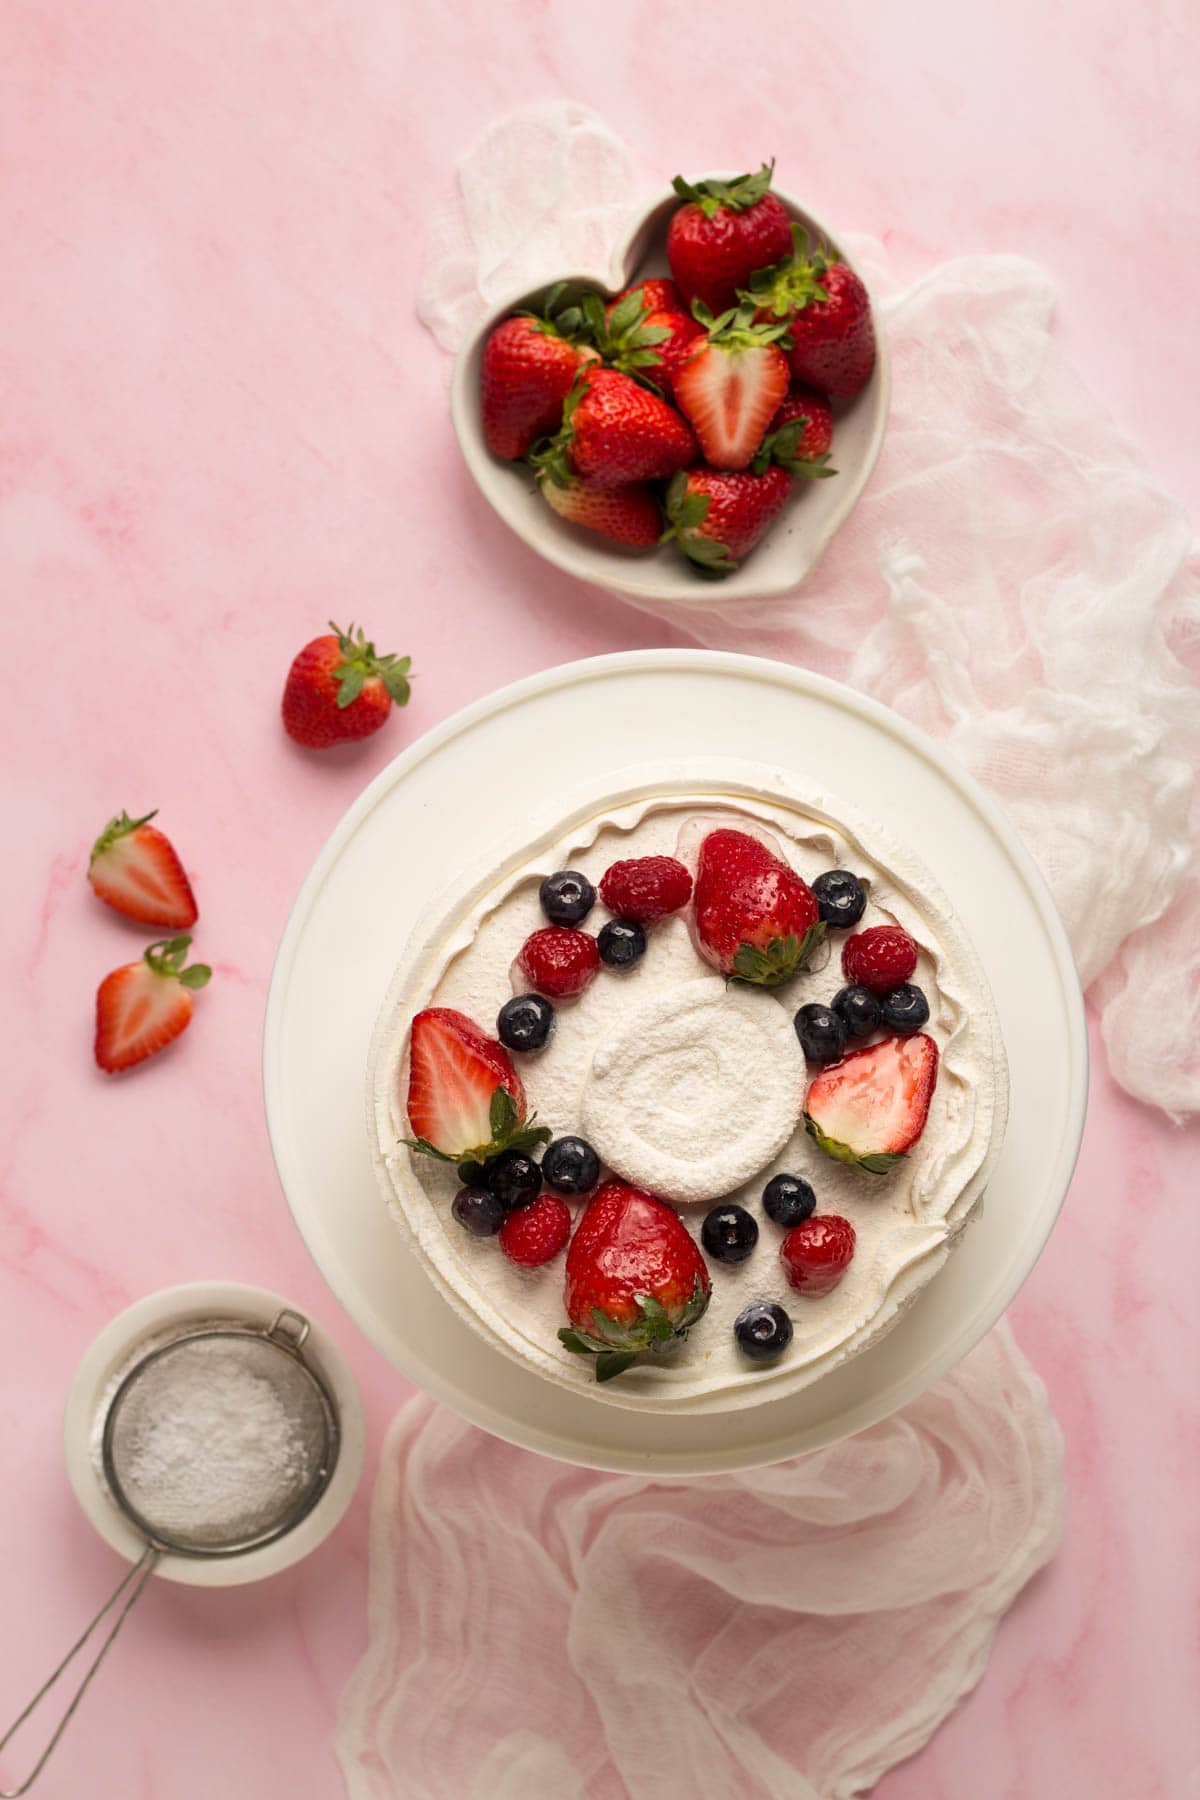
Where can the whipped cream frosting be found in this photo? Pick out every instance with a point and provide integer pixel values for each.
(693, 1088)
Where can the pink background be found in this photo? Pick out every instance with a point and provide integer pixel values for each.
(222, 424)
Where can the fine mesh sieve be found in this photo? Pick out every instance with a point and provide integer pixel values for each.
(214, 1444)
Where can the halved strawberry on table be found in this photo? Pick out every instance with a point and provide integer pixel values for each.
(754, 918)
(827, 311)
(134, 869)
(529, 365)
(731, 385)
(635, 1279)
(143, 1007)
(870, 1108)
(723, 233)
(466, 1102)
(614, 432)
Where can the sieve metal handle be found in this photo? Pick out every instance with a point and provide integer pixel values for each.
(139, 1575)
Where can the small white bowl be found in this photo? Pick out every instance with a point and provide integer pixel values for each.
(114, 1352)
(795, 543)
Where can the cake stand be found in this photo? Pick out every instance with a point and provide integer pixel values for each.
(411, 833)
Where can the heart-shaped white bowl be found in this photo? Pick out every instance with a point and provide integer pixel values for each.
(796, 541)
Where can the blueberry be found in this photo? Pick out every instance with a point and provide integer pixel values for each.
(788, 1200)
(526, 1023)
(822, 1033)
(729, 1234)
(762, 1331)
(905, 1009)
(858, 1009)
(841, 898)
(478, 1211)
(570, 1166)
(514, 1178)
(567, 897)
(621, 944)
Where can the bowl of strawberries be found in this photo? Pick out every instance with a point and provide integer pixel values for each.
(694, 424)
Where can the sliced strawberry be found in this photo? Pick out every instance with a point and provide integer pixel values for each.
(731, 385)
(870, 1108)
(134, 869)
(142, 1007)
(465, 1099)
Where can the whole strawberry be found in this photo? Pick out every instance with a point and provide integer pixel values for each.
(529, 364)
(627, 515)
(716, 516)
(726, 231)
(828, 315)
(134, 869)
(635, 1279)
(338, 688)
(754, 918)
(813, 414)
(641, 339)
(143, 1007)
(614, 432)
(731, 385)
(466, 1102)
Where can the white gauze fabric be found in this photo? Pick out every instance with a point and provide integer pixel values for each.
(1012, 580)
(541, 1630)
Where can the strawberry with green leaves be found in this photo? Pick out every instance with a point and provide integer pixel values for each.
(716, 516)
(144, 1006)
(753, 918)
(870, 1109)
(466, 1102)
(528, 367)
(134, 869)
(642, 339)
(723, 233)
(731, 385)
(635, 1279)
(614, 432)
(338, 689)
(827, 313)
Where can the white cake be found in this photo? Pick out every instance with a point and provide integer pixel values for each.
(693, 1088)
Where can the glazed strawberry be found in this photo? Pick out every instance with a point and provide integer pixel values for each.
(754, 918)
(615, 431)
(645, 888)
(135, 870)
(338, 688)
(870, 1108)
(144, 1006)
(724, 233)
(536, 1233)
(717, 516)
(559, 961)
(627, 515)
(814, 440)
(529, 365)
(635, 1279)
(466, 1102)
(817, 1254)
(881, 958)
(658, 294)
(731, 385)
(828, 314)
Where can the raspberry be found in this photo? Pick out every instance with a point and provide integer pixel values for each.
(560, 962)
(646, 888)
(881, 959)
(814, 1255)
(537, 1232)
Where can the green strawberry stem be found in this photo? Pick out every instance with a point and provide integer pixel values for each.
(783, 447)
(787, 287)
(360, 662)
(168, 956)
(116, 828)
(782, 958)
(686, 512)
(509, 1132)
(738, 194)
(615, 1343)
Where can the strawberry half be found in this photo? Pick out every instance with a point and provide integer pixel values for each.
(828, 314)
(613, 432)
(725, 231)
(144, 1006)
(466, 1102)
(870, 1108)
(635, 1279)
(134, 869)
(754, 918)
(731, 385)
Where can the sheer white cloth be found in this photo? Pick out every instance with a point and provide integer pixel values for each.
(1012, 580)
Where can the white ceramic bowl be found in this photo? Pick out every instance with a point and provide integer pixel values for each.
(118, 1347)
(797, 540)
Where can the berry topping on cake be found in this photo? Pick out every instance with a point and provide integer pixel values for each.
(859, 1010)
(729, 1233)
(526, 1023)
(755, 919)
(514, 1178)
(567, 897)
(570, 1166)
(635, 1279)
(788, 1200)
(905, 1009)
(646, 888)
(134, 869)
(871, 1108)
(841, 897)
(465, 1100)
(880, 959)
(817, 1254)
(621, 944)
(536, 1233)
(763, 1331)
(478, 1211)
(822, 1033)
(559, 961)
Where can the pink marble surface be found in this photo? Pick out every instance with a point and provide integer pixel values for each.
(221, 424)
